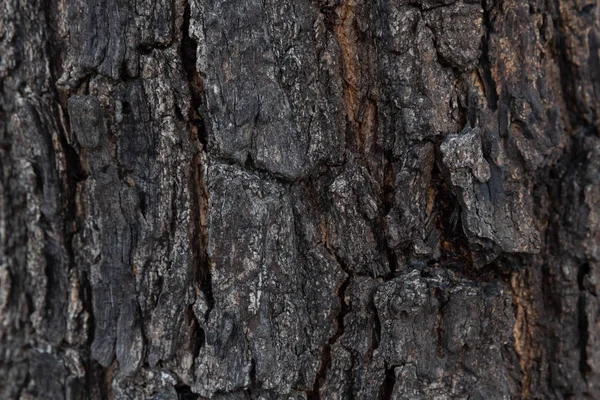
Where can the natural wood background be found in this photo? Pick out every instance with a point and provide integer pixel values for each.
(299, 199)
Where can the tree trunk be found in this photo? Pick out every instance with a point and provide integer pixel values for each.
(299, 199)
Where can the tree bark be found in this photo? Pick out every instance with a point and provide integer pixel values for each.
(299, 199)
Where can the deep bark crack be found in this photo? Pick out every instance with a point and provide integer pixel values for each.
(198, 188)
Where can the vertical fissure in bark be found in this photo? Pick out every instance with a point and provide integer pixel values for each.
(326, 357)
(74, 173)
(199, 233)
(188, 50)
(198, 336)
(254, 385)
(361, 111)
(199, 191)
(579, 121)
(583, 323)
(489, 84)
(387, 389)
(108, 375)
(95, 379)
(325, 361)
(22, 387)
(344, 309)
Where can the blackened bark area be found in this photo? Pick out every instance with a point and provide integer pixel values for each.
(308, 199)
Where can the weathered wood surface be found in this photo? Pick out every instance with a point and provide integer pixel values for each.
(299, 199)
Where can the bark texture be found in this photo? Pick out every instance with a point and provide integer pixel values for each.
(299, 199)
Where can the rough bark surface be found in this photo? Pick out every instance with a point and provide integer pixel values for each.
(299, 199)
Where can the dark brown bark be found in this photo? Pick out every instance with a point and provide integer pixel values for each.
(308, 199)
